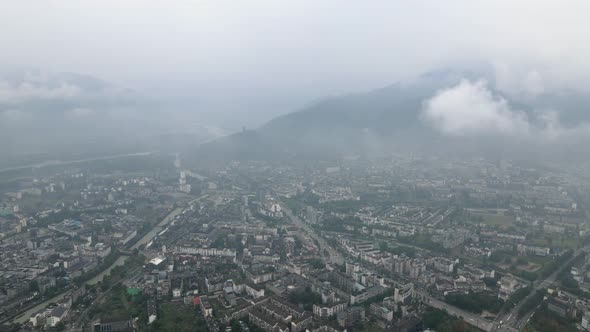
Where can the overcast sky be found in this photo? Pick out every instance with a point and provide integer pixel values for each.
(267, 57)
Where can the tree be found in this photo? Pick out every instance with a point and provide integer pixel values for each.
(305, 297)
(218, 243)
(317, 263)
(33, 286)
(61, 326)
(475, 302)
(569, 282)
(235, 326)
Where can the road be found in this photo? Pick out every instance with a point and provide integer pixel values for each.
(510, 320)
(469, 317)
(335, 256)
(24, 317)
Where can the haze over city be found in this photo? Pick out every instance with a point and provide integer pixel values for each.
(289, 166)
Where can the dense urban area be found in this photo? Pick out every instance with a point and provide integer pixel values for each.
(294, 166)
(403, 243)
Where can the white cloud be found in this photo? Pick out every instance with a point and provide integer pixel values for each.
(471, 108)
(533, 83)
(519, 81)
(551, 128)
(17, 93)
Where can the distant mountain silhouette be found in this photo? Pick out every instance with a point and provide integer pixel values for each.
(383, 121)
(48, 115)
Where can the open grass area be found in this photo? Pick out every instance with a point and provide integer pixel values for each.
(177, 317)
(492, 219)
(531, 267)
(115, 304)
(559, 241)
(172, 316)
(545, 320)
(369, 327)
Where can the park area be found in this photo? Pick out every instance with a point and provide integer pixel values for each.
(491, 219)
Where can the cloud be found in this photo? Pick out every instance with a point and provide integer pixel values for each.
(550, 128)
(471, 108)
(80, 112)
(11, 93)
(519, 81)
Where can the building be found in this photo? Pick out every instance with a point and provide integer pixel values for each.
(206, 251)
(114, 324)
(350, 316)
(586, 321)
(367, 294)
(276, 315)
(176, 293)
(562, 306)
(152, 311)
(254, 290)
(206, 308)
(402, 293)
(524, 250)
(49, 317)
(271, 208)
(328, 310)
(381, 312)
(443, 265)
(508, 286)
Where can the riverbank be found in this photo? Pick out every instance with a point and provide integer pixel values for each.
(24, 316)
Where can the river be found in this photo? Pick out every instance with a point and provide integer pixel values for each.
(120, 261)
(68, 162)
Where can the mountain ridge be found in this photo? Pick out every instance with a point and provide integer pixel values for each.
(391, 119)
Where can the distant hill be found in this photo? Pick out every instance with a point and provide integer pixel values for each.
(47, 115)
(389, 120)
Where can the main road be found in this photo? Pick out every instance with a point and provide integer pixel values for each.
(335, 256)
(510, 320)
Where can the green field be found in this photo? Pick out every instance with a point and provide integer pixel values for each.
(177, 317)
(560, 241)
(171, 316)
(492, 219)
